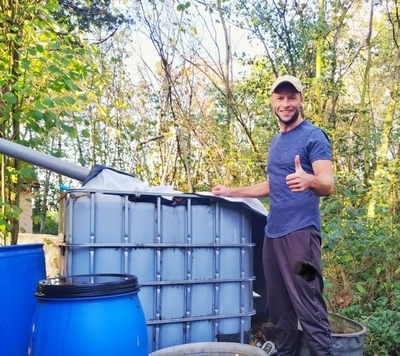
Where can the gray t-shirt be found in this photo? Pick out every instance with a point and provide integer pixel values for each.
(292, 211)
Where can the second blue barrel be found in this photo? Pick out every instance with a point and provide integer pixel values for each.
(21, 268)
(89, 315)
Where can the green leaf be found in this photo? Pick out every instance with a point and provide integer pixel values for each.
(58, 101)
(52, 6)
(39, 105)
(85, 133)
(183, 7)
(69, 100)
(37, 115)
(10, 98)
(36, 219)
(35, 127)
(361, 288)
(71, 86)
(82, 161)
(82, 97)
(57, 85)
(25, 63)
(40, 48)
(26, 171)
(55, 70)
(48, 125)
(73, 132)
(48, 102)
(55, 45)
(50, 115)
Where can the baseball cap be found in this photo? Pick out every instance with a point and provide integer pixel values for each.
(287, 79)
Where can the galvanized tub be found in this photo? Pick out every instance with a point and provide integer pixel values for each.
(347, 337)
(210, 349)
(192, 254)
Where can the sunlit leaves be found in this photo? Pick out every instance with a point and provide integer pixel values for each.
(43, 70)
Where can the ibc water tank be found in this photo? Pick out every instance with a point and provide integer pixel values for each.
(192, 254)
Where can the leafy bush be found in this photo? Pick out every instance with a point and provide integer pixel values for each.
(361, 264)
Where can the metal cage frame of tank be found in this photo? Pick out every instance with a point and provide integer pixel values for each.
(192, 254)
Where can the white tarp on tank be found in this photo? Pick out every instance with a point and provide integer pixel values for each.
(111, 179)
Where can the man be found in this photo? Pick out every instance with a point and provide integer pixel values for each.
(299, 171)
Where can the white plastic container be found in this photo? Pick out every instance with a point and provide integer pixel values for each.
(192, 255)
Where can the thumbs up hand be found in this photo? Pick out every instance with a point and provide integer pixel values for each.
(298, 181)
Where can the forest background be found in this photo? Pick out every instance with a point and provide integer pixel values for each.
(177, 93)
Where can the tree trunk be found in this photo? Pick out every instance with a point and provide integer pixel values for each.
(381, 171)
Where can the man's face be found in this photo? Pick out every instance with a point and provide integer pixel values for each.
(286, 102)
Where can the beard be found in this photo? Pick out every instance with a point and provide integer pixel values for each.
(290, 121)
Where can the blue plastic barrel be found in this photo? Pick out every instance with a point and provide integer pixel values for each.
(89, 315)
(21, 268)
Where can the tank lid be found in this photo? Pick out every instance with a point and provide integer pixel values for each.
(87, 285)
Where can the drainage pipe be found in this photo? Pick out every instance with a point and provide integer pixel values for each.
(43, 160)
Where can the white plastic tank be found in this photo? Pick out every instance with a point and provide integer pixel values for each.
(192, 255)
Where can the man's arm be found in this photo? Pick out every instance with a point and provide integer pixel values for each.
(259, 190)
(321, 182)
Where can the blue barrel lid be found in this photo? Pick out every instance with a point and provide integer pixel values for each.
(87, 285)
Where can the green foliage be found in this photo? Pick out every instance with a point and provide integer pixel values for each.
(43, 72)
(382, 317)
(50, 225)
(7, 214)
(362, 258)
